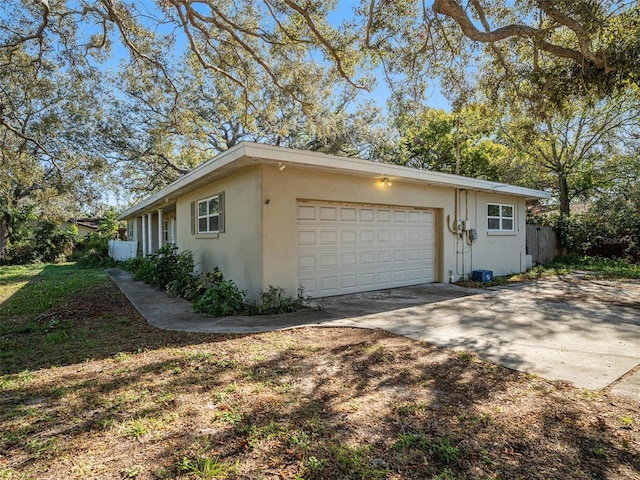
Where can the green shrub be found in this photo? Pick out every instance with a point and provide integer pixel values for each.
(92, 251)
(273, 301)
(163, 266)
(51, 244)
(199, 284)
(167, 270)
(221, 299)
(20, 253)
(141, 268)
(183, 283)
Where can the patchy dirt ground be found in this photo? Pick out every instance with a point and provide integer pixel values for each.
(118, 399)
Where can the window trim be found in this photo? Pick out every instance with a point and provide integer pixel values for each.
(166, 240)
(208, 216)
(501, 218)
(195, 217)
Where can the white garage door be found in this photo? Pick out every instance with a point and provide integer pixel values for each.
(345, 248)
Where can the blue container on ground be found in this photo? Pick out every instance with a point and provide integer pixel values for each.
(482, 276)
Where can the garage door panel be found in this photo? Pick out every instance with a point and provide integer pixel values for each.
(383, 215)
(399, 255)
(400, 276)
(384, 256)
(348, 214)
(414, 255)
(328, 213)
(368, 257)
(384, 236)
(368, 279)
(348, 259)
(307, 237)
(349, 236)
(306, 212)
(399, 236)
(367, 236)
(329, 260)
(328, 237)
(384, 278)
(351, 248)
(366, 215)
(349, 281)
(307, 262)
(308, 285)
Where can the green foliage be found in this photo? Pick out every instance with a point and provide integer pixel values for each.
(51, 244)
(207, 468)
(221, 299)
(168, 270)
(182, 282)
(274, 300)
(209, 292)
(443, 451)
(92, 251)
(605, 267)
(354, 463)
(199, 284)
(431, 138)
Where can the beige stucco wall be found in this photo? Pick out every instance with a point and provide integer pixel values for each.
(236, 252)
(503, 253)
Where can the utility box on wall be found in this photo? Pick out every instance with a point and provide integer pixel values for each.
(482, 276)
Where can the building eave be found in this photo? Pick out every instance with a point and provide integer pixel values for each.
(246, 154)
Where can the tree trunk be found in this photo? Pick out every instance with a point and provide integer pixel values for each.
(5, 222)
(563, 194)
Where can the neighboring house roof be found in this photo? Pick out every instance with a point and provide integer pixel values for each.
(247, 153)
(92, 223)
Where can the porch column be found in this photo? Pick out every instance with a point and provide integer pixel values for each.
(143, 234)
(150, 231)
(134, 230)
(160, 236)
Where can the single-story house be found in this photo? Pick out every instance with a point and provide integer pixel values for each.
(333, 225)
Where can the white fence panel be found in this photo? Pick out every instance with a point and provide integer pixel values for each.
(120, 250)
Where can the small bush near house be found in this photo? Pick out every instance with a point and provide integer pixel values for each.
(167, 270)
(209, 292)
(92, 251)
(221, 299)
(273, 301)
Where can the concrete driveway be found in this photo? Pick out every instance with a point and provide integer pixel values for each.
(569, 328)
(583, 331)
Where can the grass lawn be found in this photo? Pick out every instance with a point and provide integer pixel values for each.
(89, 390)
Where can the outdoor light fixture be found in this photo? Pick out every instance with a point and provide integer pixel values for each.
(385, 181)
(281, 166)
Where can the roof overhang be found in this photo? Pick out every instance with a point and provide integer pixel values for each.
(247, 154)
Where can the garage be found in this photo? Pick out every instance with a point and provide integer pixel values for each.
(347, 248)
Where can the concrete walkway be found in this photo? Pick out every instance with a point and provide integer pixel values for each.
(568, 328)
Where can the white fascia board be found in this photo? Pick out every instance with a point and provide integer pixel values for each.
(260, 153)
(322, 161)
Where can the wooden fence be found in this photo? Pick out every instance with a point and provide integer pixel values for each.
(542, 243)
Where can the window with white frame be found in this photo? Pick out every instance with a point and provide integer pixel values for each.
(209, 215)
(500, 217)
(165, 232)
